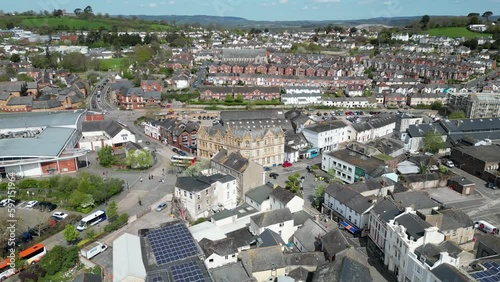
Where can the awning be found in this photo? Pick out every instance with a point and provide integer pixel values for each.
(349, 227)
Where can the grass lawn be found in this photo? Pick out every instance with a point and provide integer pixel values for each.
(113, 64)
(455, 32)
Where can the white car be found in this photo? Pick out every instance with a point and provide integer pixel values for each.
(60, 215)
(31, 204)
(449, 164)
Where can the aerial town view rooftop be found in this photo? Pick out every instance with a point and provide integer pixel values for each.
(242, 141)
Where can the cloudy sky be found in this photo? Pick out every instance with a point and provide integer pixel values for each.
(268, 9)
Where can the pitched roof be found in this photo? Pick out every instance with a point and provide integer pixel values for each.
(309, 236)
(447, 272)
(301, 274)
(415, 226)
(272, 217)
(262, 259)
(334, 242)
(319, 128)
(241, 237)
(269, 238)
(348, 197)
(222, 247)
(344, 269)
(260, 194)
(305, 258)
(386, 209)
(111, 127)
(283, 195)
(200, 183)
(234, 160)
(454, 219)
(418, 199)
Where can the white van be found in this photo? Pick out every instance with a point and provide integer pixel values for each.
(485, 227)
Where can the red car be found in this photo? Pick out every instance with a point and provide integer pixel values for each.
(287, 164)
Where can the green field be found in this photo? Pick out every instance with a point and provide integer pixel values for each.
(71, 23)
(455, 32)
(111, 64)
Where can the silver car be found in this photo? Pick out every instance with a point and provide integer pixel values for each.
(161, 207)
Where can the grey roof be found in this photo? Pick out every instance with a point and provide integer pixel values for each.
(305, 259)
(20, 101)
(231, 272)
(111, 127)
(283, 195)
(413, 178)
(344, 269)
(243, 53)
(301, 274)
(49, 143)
(269, 238)
(492, 242)
(447, 272)
(222, 247)
(260, 194)
(348, 197)
(386, 209)
(430, 252)
(152, 94)
(234, 160)
(415, 226)
(300, 217)
(4, 96)
(46, 104)
(262, 259)
(489, 153)
(334, 242)
(418, 199)
(135, 91)
(309, 235)
(319, 128)
(451, 248)
(241, 237)
(386, 146)
(200, 183)
(272, 217)
(419, 130)
(454, 219)
(372, 166)
(41, 119)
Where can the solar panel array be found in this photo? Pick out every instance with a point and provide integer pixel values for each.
(491, 274)
(157, 279)
(171, 243)
(187, 272)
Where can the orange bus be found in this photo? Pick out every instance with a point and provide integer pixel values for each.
(5, 270)
(33, 254)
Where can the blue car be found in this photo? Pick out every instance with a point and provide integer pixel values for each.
(267, 168)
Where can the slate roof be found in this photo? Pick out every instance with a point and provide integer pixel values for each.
(262, 259)
(20, 101)
(272, 217)
(4, 96)
(309, 236)
(386, 209)
(300, 217)
(305, 258)
(234, 160)
(447, 272)
(46, 104)
(454, 219)
(431, 253)
(111, 127)
(418, 199)
(283, 195)
(301, 274)
(260, 194)
(319, 128)
(231, 272)
(344, 269)
(269, 238)
(415, 226)
(334, 242)
(243, 53)
(489, 153)
(200, 183)
(348, 197)
(223, 247)
(371, 166)
(241, 237)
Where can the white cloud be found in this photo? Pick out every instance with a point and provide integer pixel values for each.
(268, 4)
(283, 1)
(171, 2)
(326, 1)
(152, 5)
(388, 3)
(305, 7)
(365, 2)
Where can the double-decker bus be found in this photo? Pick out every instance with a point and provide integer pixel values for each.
(33, 254)
(91, 220)
(182, 161)
(5, 270)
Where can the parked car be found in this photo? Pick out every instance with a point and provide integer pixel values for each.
(31, 204)
(46, 206)
(59, 215)
(5, 202)
(161, 207)
(287, 164)
(267, 168)
(273, 175)
(449, 163)
(491, 185)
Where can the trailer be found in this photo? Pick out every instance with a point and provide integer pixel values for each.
(93, 250)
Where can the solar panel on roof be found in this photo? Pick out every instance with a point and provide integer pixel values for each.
(187, 272)
(157, 279)
(171, 243)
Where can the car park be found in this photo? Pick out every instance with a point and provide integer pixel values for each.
(59, 215)
(161, 207)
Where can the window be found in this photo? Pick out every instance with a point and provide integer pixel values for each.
(199, 207)
(199, 196)
(228, 194)
(185, 194)
(206, 191)
(190, 195)
(282, 224)
(226, 257)
(233, 256)
(211, 260)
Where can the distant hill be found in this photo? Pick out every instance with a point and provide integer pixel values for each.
(234, 22)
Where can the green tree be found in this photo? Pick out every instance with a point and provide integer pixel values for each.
(106, 157)
(487, 15)
(139, 159)
(294, 183)
(239, 98)
(15, 58)
(142, 55)
(229, 98)
(112, 211)
(196, 168)
(74, 62)
(457, 115)
(425, 20)
(437, 105)
(471, 43)
(433, 142)
(319, 196)
(24, 77)
(70, 233)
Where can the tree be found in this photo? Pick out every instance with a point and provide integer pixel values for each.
(112, 211)
(457, 115)
(152, 113)
(196, 168)
(437, 105)
(487, 15)
(106, 157)
(88, 10)
(57, 13)
(470, 15)
(142, 55)
(471, 43)
(70, 233)
(294, 183)
(78, 11)
(433, 142)
(425, 20)
(15, 58)
(139, 159)
(74, 62)
(319, 196)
